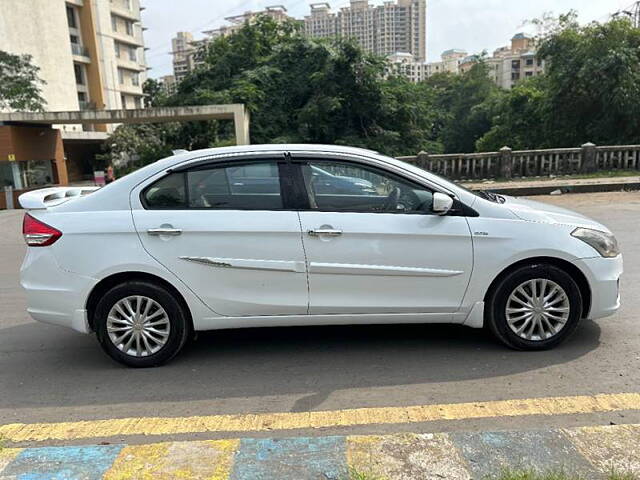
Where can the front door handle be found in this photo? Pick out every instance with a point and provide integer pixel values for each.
(164, 231)
(329, 232)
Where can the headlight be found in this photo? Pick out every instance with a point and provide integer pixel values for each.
(604, 243)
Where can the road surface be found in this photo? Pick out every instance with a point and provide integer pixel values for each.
(50, 374)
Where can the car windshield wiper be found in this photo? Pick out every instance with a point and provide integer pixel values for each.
(492, 197)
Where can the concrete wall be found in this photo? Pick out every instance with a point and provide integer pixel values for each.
(24, 143)
(23, 26)
(40, 28)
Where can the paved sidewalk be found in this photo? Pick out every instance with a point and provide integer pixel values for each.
(545, 186)
(588, 452)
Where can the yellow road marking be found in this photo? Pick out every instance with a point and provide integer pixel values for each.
(212, 459)
(20, 432)
(7, 455)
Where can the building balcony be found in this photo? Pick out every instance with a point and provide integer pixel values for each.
(135, 39)
(84, 106)
(80, 53)
(130, 89)
(122, 11)
(127, 63)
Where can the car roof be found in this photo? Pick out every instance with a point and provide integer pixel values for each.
(280, 147)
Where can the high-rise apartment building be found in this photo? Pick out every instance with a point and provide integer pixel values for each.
(322, 22)
(236, 22)
(168, 84)
(507, 66)
(183, 51)
(185, 47)
(395, 26)
(406, 65)
(91, 57)
(90, 52)
(510, 64)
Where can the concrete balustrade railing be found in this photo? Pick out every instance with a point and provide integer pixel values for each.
(508, 163)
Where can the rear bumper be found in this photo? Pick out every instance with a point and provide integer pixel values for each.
(54, 295)
(603, 275)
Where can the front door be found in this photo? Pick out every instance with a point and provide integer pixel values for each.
(373, 246)
(224, 231)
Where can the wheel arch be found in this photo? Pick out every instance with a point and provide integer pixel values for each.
(104, 285)
(568, 267)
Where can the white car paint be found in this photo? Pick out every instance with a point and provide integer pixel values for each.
(391, 263)
(260, 268)
(265, 264)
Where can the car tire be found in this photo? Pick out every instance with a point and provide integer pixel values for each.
(548, 326)
(154, 341)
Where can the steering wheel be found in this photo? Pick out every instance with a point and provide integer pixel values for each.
(391, 203)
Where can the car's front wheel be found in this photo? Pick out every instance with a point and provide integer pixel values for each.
(140, 324)
(534, 307)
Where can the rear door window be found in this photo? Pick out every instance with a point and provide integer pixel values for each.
(168, 192)
(250, 186)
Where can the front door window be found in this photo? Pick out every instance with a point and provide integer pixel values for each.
(347, 187)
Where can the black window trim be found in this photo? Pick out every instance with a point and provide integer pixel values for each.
(279, 159)
(300, 200)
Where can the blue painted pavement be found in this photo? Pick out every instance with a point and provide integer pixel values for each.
(62, 463)
(291, 459)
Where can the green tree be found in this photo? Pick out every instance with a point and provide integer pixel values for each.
(519, 118)
(138, 145)
(463, 99)
(593, 77)
(309, 90)
(589, 93)
(155, 94)
(20, 83)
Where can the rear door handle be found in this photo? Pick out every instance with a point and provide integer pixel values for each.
(329, 232)
(164, 231)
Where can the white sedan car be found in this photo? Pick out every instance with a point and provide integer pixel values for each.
(280, 235)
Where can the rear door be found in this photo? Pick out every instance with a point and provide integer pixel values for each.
(374, 246)
(225, 231)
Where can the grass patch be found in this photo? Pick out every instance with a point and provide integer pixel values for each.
(622, 476)
(533, 475)
(355, 474)
(555, 475)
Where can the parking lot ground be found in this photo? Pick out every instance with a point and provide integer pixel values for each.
(51, 378)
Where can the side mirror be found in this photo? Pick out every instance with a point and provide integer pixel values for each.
(442, 203)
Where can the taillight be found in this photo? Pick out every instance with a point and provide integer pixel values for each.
(37, 233)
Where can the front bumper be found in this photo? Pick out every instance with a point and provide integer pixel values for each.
(54, 295)
(603, 275)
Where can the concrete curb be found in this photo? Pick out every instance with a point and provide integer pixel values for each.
(545, 187)
(587, 452)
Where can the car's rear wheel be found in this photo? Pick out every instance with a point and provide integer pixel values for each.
(534, 307)
(140, 324)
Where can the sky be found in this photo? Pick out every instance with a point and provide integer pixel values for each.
(473, 25)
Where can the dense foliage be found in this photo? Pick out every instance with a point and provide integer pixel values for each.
(590, 92)
(19, 83)
(329, 91)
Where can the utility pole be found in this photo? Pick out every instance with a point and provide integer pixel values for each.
(633, 12)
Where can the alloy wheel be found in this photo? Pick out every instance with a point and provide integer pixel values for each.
(138, 326)
(537, 309)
